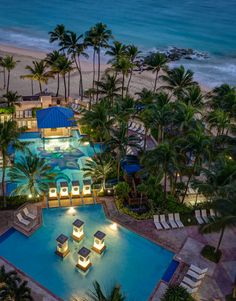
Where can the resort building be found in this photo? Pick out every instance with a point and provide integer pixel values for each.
(54, 122)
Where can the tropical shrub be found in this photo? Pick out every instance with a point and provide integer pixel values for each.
(122, 191)
(210, 253)
(176, 293)
(7, 110)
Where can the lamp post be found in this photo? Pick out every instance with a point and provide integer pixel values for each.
(98, 244)
(84, 262)
(62, 246)
(78, 230)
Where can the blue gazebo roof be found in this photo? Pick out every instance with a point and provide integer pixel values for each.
(55, 117)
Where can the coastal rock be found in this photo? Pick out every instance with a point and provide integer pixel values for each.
(175, 54)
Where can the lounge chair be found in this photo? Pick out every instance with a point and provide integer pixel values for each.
(28, 214)
(30, 113)
(191, 283)
(212, 214)
(163, 222)
(178, 221)
(157, 222)
(172, 221)
(26, 114)
(204, 216)
(198, 217)
(189, 289)
(195, 275)
(22, 220)
(141, 130)
(198, 270)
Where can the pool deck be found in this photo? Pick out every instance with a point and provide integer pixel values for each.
(186, 243)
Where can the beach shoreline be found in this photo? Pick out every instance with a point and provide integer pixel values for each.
(25, 57)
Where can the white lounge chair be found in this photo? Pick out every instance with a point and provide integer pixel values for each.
(141, 130)
(157, 222)
(28, 214)
(178, 221)
(30, 113)
(189, 289)
(191, 283)
(198, 217)
(172, 221)
(198, 270)
(195, 275)
(212, 214)
(163, 222)
(26, 114)
(204, 216)
(22, 220)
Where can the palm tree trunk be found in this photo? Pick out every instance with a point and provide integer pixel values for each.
(81, 81)
(165, 187)
(77, 66)
(4, 77)
(189, 178)
(99, 68)
(32, 87)
(155, 83)
(123, 85)
(3, 179)
(58, 84)
(40, 87)
(220, 239)
(128, 84)
(68, 84)
(8, 80)
(65, 92)
(93, 71)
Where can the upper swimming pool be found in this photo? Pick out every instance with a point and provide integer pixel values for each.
(130, 260)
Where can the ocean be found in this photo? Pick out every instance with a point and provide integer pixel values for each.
(207, 26)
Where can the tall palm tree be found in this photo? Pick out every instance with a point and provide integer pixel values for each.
(12, 97)
(64, 66)
(134, 54)
(184, 116)
(176, 293)
(58, 34)
(109, 87)
(51, 60)
(9, 135)
(178, 80)
(8, 63)
(31, 174)
(193, 96)
(38, 72)
(76, 48)
(98, 169)
(116, 51)
(155, 62)
(16, 290)
(97, 294)
(220, 120)
(119, 142)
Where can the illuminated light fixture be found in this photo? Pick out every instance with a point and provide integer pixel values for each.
(75, 191)
(62, 246)
(86, 143)
(113, 226)
(98, 244)
(84, 262)
(71, 210)
(30, 196)
(108, 191)
(230, 158)
(78, 230)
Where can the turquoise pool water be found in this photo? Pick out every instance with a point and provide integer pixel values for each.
(134, 262)
(66, 156)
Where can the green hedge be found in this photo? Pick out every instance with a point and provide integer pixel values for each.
(7, 110)
(209, 253)
(13, 202)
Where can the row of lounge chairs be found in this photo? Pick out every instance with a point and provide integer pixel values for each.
(173, 221)
(24, 114)
(76, 108)
(136, 127)
(202, 217)
(193, 278)
(29, 217)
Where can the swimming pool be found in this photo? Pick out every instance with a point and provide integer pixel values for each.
(134, 262)
(66, 156)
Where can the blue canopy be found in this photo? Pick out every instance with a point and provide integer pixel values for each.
(132, 168)
(55, 117)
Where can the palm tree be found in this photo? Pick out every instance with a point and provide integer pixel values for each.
(76, 48)
(193, 96)
(116, 51)
(97, 294)
(12, 97)
(226, 207)
(5, 276)
(38, 72)
(16, 290)
(98, 169)
(220, 120)
(178, 80)
(184, 116)
(58, 34)
(119, 142)
(8, 63)
(163, 157)
(176, 293)
(109, 87)
(134, 54)
(64, 66)
(31, 174)
(9, 135)
(147, 117)
(51, 60)
(156, 62)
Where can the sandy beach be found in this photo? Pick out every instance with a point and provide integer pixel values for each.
(26, 56)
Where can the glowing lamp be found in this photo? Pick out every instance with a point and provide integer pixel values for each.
(75, 188)
(98, 244)
(62, 246)
(78, 230)
(64, 189)
(113, 226)
(84, 262)
(52, 191)
(87, 187)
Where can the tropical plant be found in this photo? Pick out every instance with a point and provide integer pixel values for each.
(58, 34)
(32, 175)
(11, 97)
(134, 55)
(9, 135)
(156, 62)
(122, 190)
(51, 61)
(98, 169)
(220, 120)
(193, 96)
(109, 87)
(38, 72)
(116, 51)
(176, 293)
(8, 63)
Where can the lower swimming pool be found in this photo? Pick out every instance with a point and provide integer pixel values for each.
(130, 260)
